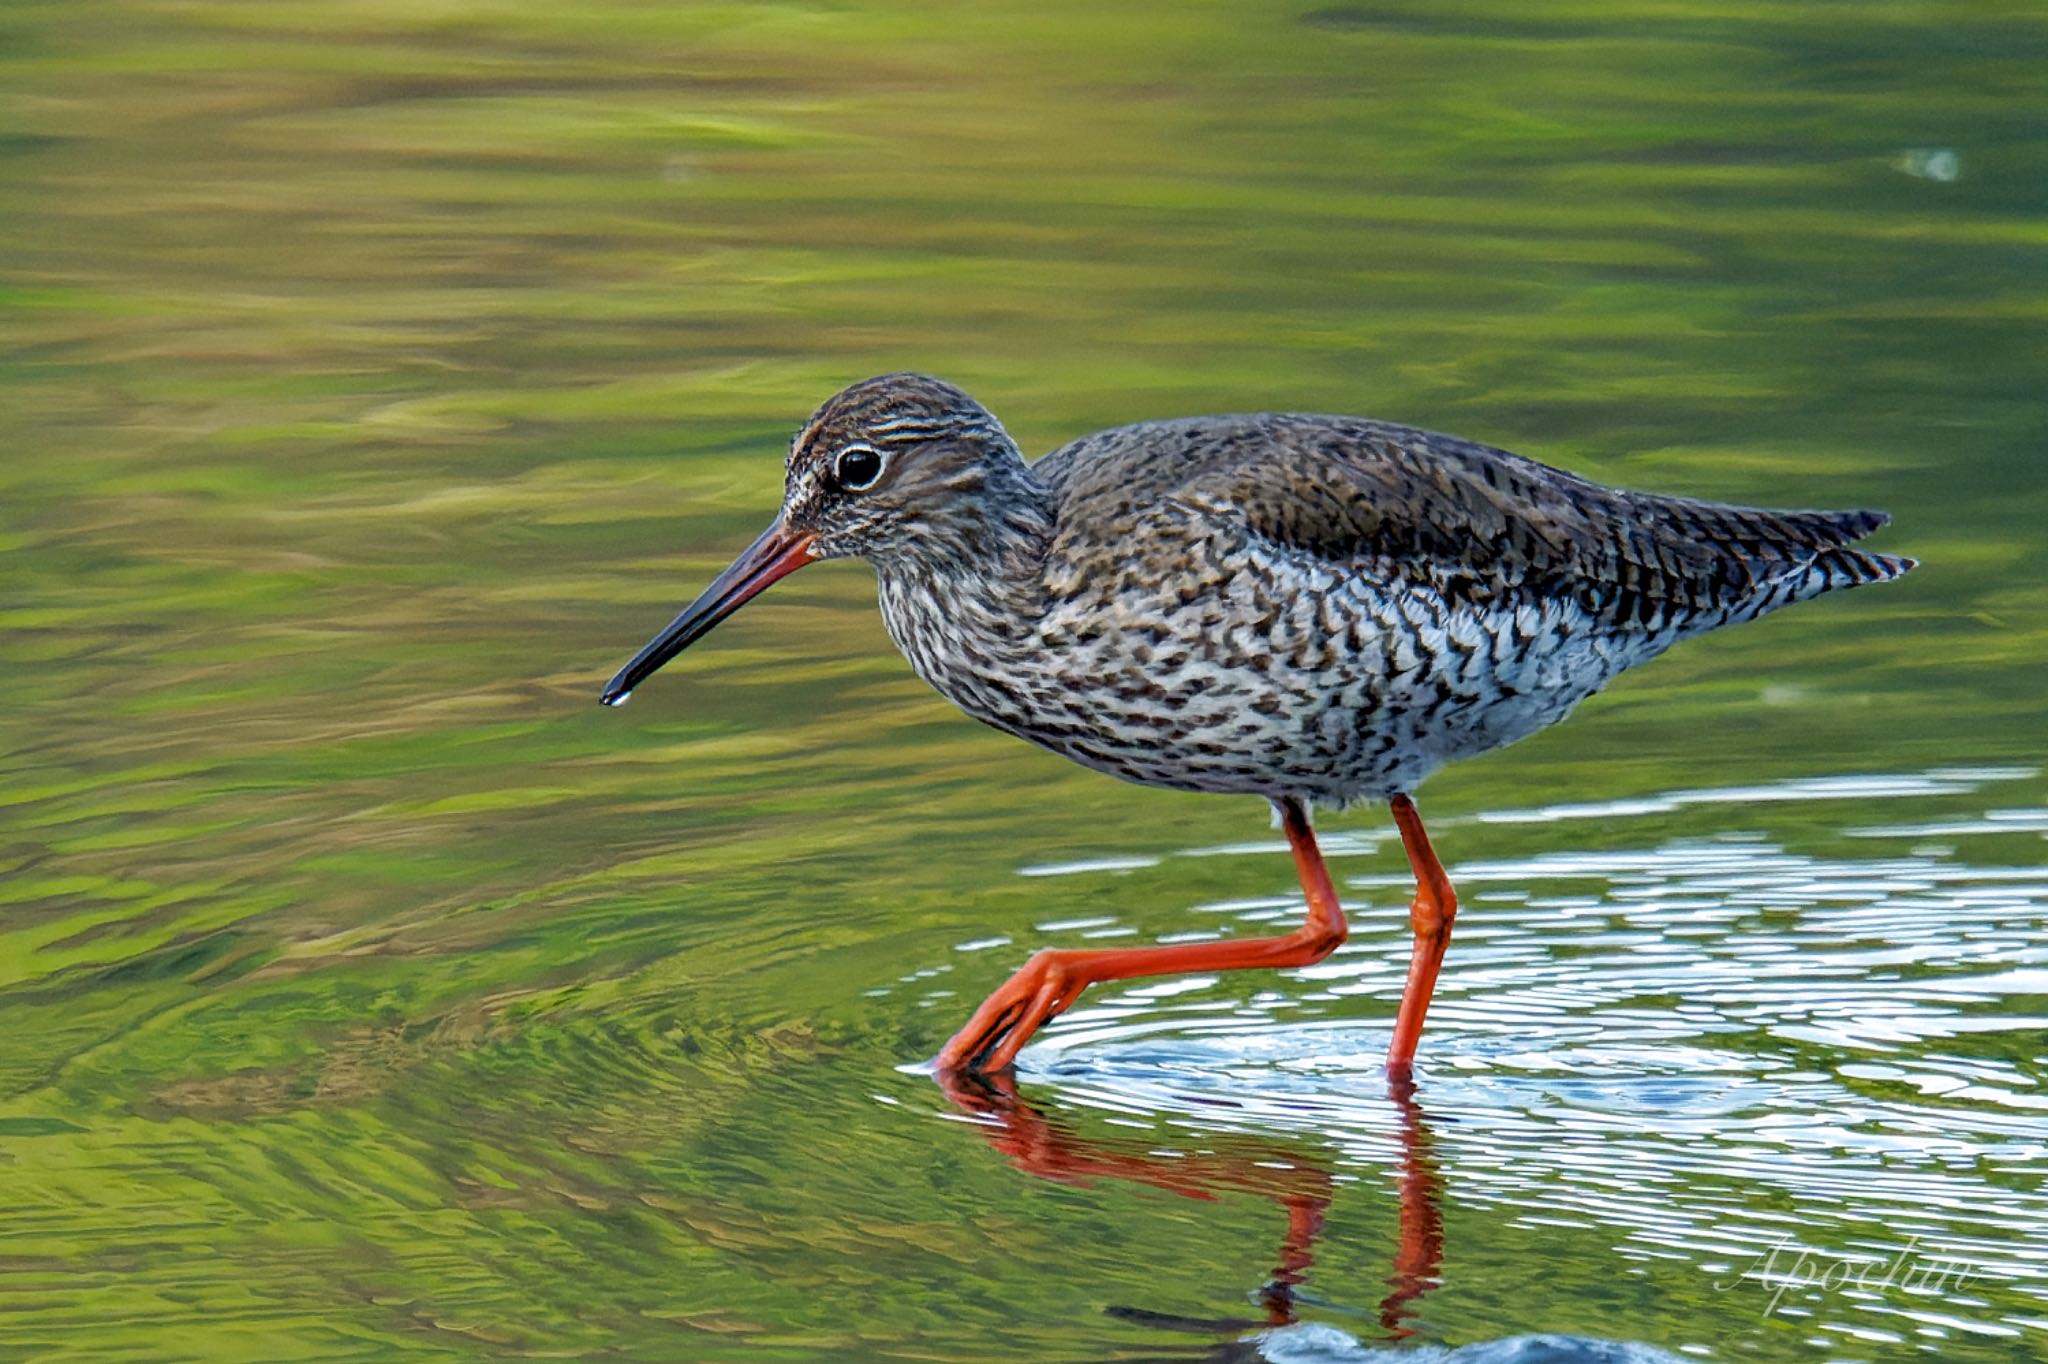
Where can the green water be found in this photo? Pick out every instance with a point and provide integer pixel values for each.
(378, 375)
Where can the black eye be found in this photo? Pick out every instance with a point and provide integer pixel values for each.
(856, 468)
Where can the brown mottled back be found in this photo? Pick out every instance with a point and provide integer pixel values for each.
(1350, 489)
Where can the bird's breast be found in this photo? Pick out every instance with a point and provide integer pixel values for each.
(969, 642)
(1251, 672)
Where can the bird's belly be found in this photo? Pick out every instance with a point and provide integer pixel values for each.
(1349, 693)
(1345, 690)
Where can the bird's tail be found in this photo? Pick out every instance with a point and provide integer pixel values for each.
(1835, 564)
(1846, 567)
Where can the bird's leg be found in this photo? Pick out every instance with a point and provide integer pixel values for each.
(1053, 979)
(1435, 905)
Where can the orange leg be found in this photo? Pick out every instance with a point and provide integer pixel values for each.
(1430, 915)
(1053, 979)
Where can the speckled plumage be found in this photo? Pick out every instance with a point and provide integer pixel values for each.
(1314, 609)
(1317, 607)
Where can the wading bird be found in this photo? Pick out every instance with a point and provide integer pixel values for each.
(1318, 610)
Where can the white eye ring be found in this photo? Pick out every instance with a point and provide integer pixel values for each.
(861, 475)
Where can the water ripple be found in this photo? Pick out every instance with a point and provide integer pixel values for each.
(1717, 1048)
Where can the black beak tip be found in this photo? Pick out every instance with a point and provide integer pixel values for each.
(775, 554)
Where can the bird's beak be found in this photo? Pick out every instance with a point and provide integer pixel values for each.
(778, 553)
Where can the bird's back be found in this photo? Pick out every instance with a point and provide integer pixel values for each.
(1479, 520)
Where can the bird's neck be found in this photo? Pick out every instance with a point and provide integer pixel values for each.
(1017, 526)
(966, 598)
(994, 538)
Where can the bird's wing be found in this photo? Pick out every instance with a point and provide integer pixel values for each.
(1392, 498)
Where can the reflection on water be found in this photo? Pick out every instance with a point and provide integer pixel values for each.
(1302, 1185)
(1039, 1146)
(376, 372)
(1777, 1067)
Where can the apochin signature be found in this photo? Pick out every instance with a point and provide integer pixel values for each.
(1786, 1267)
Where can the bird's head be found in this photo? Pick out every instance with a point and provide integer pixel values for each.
(899, 465)
(902, 470)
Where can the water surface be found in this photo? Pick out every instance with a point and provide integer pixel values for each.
(379, 376)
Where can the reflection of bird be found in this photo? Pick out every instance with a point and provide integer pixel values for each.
(1301, 1184)
(1318, 610)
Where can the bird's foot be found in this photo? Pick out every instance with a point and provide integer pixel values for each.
(1041, 990)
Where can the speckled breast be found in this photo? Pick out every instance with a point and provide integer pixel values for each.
(1262, 674)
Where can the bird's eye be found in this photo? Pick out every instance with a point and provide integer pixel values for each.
(857, 468)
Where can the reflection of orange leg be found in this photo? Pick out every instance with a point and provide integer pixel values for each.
(1038, 1146)
(1052, 980)
(1418, 1259)
(1435, 905)
(1297, 1257)
(1295, 1180)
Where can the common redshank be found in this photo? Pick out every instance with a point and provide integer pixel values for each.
(1318, 610)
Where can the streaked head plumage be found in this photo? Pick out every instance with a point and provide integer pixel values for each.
(895, 464)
